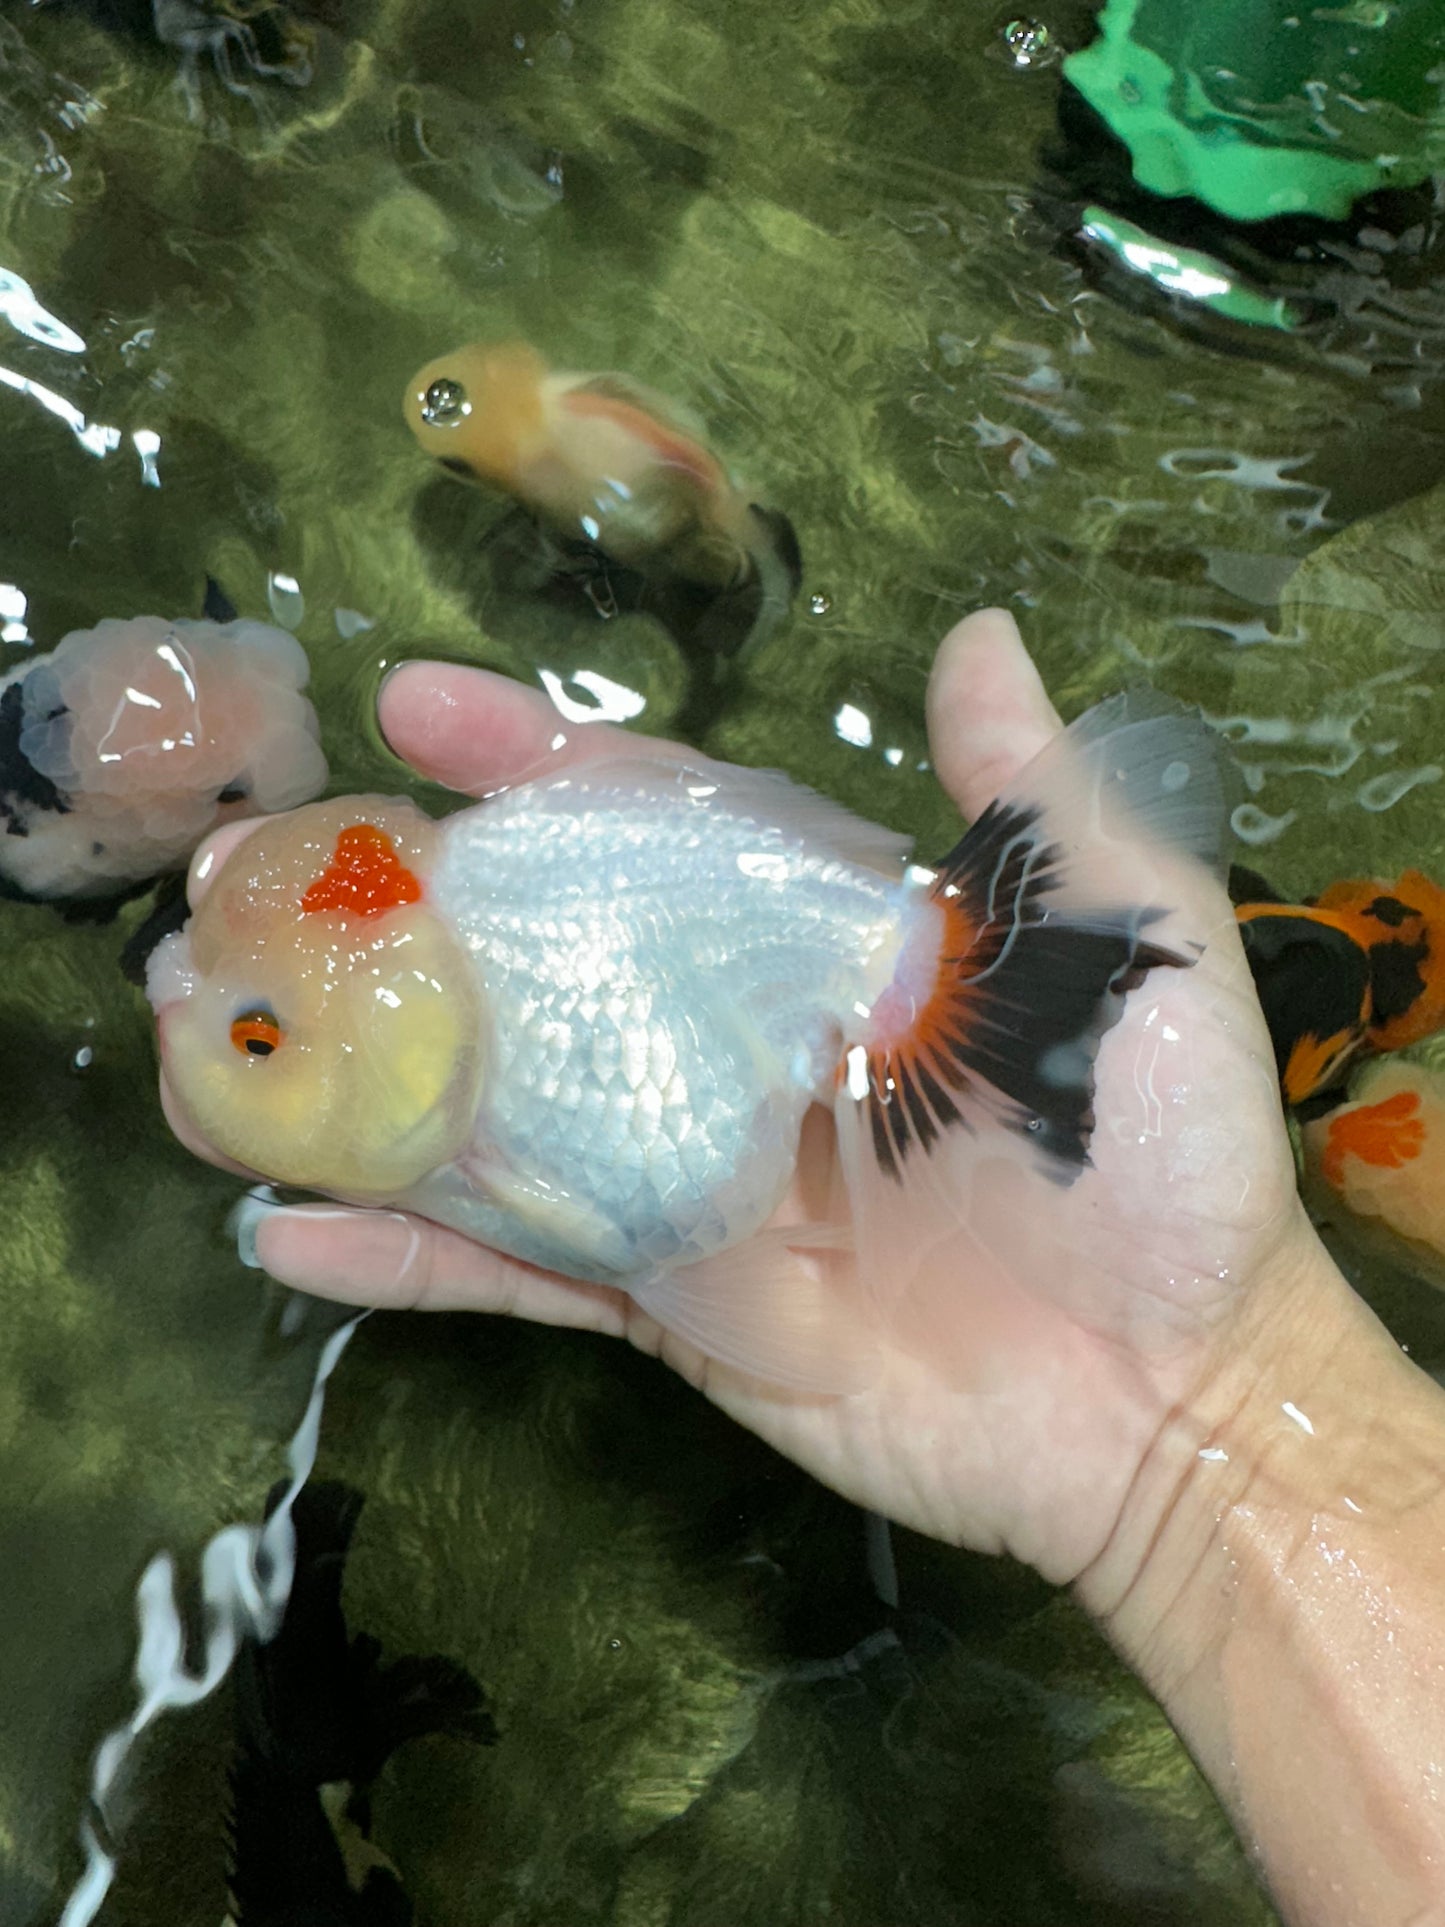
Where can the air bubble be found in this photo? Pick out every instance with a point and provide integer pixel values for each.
(1027, 43)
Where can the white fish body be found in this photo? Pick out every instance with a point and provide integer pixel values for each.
(667, 975)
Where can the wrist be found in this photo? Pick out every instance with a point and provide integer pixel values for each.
(1306, 1406)
(1275, 1577)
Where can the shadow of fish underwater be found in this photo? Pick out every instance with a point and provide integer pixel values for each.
(317, 1716)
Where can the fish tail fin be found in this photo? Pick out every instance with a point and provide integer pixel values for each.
(1248, 886)
(1063, 895)
(774, 573)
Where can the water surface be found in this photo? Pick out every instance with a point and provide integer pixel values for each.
(838, 235)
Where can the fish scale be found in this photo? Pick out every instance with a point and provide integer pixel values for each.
(644, 978)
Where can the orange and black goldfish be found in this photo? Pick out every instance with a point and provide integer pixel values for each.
(1358, 969)
(582, 1022)
(604, 461)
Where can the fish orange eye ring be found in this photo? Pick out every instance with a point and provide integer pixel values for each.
(256, 1034)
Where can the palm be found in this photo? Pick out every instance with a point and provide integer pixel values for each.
(1034, 1454)
(1031, 1437)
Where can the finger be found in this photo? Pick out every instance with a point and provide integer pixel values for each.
(476, 732)
(388, 1259)
(988, 712)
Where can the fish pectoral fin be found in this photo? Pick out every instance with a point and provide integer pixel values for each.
(762, 1309)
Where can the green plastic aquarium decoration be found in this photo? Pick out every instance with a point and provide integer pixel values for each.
(1267, 107)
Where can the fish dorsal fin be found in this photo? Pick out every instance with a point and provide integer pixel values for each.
(1248, 886)
(629, 393)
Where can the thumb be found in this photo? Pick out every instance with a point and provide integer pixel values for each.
(988, 712)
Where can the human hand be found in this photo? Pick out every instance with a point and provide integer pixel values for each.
(1028, 1435)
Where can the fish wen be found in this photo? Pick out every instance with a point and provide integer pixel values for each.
(582, 1021)
(1382, 1156)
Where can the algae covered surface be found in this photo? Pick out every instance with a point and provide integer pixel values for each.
(837, 235)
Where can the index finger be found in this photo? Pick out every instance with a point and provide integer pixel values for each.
(469, 729)
(476, 731)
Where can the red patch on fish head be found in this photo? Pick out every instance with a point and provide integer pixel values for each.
(365, 877)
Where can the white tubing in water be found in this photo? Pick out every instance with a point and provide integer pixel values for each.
(246, 1574)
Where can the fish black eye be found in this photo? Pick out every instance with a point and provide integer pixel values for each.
(445, 403)
(255, 1033)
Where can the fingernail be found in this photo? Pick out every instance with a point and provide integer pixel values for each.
(245, 1218)
(321, 1249)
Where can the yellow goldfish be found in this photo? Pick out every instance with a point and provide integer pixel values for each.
(600, 458)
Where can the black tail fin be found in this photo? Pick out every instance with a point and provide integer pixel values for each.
(1041, 942)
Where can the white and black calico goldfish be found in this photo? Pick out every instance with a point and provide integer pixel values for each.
(582, 1021)
(127, 744)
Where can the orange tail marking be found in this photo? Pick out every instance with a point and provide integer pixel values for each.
(365, 877)
(909, 1076)
(1386, 1135)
